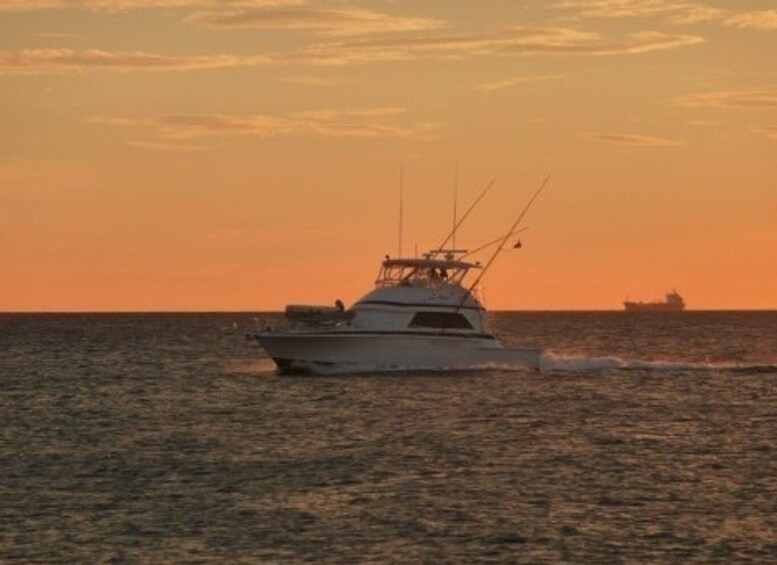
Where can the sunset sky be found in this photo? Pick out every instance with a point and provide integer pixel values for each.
(242, 154)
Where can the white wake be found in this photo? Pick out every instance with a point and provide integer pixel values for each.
(556, 363)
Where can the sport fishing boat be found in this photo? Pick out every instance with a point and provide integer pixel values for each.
(419, 316)
(673, 303)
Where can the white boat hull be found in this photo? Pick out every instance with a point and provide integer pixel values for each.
(333, 352)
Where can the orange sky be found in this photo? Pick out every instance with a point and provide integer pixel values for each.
(242, 154)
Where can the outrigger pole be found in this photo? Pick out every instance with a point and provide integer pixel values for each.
(510, 233)
(464, 217)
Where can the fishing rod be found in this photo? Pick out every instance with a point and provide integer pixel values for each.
(504, 239)
(464, 217)
(490, 243)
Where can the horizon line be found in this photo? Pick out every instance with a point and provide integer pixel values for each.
(522, 310)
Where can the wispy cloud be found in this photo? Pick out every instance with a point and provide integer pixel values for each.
(336, 20)
(307, 81)
(368, 123)
(676, 11)
(167, 147)
(632, 139)
(507, 83)
(121, 5)
(770, 131)
(765, 20)
(754, 98)
(515, 41)
(40, 61)
(702, 123)
(54, 35)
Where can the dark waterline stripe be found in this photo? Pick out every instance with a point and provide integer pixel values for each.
(378, 333)
(416, 305)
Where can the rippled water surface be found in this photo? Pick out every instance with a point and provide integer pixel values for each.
(149, 438)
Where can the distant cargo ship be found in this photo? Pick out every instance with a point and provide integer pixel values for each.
(673, 303)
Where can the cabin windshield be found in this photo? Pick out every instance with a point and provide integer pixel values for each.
(421, 273)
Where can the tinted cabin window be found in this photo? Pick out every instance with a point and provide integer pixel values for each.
(440, 320)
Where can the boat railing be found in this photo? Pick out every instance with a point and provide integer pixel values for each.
(425, 277)
(319, 317)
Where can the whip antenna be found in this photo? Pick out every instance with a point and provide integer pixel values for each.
(455, 202)
(401, 205)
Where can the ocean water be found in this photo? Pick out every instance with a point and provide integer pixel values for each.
(168, 438)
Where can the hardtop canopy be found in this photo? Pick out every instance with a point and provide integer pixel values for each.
(452, 264)
(427, 271)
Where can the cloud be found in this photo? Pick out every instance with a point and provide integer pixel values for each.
(121, 5)
(754, 98)
(515, 41)
(676, 11)
(507, 83)
(769, 131)
(341, 20)
(307, 81)
(54, 35)
(701, 123)
(367, 123)
(167, 147)
(40, 61)
(632, 139)
(765, 20)
(352, 112)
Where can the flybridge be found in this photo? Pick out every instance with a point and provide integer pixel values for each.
(437, 267)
